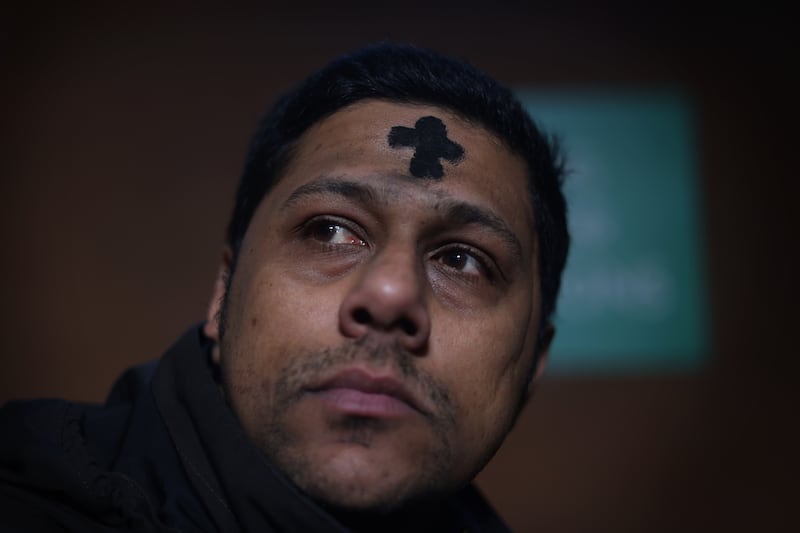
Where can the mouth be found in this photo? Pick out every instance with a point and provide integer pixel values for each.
(359, 392)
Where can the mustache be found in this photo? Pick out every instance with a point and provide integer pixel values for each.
(377, 354)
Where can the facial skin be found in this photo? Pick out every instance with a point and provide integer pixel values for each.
(380, 328)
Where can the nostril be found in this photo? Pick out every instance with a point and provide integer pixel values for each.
(362, 316)
(408, 327)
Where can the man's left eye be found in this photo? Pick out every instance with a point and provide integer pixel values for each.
(462, 261)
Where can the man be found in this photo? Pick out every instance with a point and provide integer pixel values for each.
(380, 317)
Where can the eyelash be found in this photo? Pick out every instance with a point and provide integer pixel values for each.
(309, 230)
(484, 264)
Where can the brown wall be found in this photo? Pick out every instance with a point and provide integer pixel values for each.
(123, 134)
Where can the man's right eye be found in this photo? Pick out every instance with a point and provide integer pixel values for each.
(332, 232)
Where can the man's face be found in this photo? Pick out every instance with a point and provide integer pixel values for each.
(381, 322)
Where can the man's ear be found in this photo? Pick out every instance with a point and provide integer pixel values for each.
(211, 327)
(542, 353)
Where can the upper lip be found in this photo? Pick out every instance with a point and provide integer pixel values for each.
(364, 380)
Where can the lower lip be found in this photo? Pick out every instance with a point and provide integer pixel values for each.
(358, 403)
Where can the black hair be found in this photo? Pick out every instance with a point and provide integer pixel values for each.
(408, 74)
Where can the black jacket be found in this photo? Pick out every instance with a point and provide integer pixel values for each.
(165, 453)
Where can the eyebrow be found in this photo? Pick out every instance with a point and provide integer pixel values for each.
(464, 213)
(454, 211)
(327, 186)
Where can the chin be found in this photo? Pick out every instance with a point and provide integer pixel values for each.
(357, 479)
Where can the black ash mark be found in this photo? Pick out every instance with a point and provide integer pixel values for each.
(429, 139)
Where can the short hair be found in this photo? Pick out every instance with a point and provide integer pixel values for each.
(409, 74)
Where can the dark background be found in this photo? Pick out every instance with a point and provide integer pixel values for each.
(123, 134)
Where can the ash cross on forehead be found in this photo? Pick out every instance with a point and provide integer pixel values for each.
(429, 139)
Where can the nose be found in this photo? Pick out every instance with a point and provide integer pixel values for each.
(388, 301)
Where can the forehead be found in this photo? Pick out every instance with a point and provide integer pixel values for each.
(356, 143)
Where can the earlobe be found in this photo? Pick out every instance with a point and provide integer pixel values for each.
(211, 327)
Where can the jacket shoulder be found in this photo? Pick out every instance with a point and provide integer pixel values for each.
(53, 476)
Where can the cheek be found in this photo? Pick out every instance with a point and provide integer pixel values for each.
(485, 363)
(270, 320)
(272, 315)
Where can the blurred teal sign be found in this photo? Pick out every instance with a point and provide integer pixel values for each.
(633, 295)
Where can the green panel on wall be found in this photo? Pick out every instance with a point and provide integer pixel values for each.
(633, 297)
